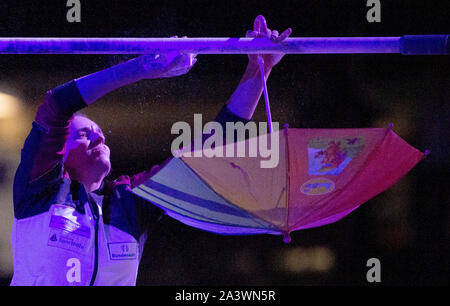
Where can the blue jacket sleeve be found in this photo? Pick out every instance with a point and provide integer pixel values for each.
(41, 164)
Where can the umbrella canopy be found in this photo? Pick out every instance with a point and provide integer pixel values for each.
(321, 175)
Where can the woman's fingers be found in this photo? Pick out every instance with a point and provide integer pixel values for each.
(284, 35)
(251, 33)
(274, 35)
(260, 25)
(178, 60)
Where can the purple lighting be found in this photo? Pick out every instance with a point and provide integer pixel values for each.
(411, 44)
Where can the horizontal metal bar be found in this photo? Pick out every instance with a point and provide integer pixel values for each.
(294, 45)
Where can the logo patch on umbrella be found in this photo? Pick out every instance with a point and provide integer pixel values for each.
(332, 156)
(317, 186)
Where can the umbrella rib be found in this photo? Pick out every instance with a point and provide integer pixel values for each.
(236, 206)
(288, 181)
(319, 202)
(211, 221)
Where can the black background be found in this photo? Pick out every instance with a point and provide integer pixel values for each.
(308, 91)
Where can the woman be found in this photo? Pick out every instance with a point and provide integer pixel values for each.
(70, 226)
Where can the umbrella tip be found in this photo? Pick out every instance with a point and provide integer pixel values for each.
(426, 152)
(286, 238)
(390, 126)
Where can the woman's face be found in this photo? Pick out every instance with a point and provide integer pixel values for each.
(87, 154)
